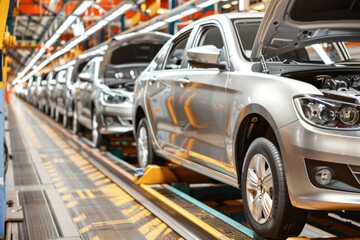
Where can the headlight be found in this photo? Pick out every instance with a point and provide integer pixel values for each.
(113, 98)
(328, 113)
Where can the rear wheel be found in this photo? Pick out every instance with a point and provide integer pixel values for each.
(76, 127)
(265, 196)
(97, 138)
(145, 150)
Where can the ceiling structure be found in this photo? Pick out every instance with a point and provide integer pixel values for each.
(34, 22)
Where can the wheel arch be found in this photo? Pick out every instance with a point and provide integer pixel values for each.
(254, 122)
(139, 114)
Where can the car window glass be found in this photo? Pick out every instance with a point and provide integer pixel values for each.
(158, 61)
(89, 68)
(177, 52)
(247, 32)
(60, 76)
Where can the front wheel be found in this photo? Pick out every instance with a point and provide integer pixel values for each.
(265, 196)
(97, 138)
(145, 150)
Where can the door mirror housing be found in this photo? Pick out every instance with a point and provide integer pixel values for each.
(85, 76)
(207, 56)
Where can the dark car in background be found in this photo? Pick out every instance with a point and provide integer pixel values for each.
(104, 90)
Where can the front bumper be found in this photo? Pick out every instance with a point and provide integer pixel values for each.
(116, 118)
(302, 143)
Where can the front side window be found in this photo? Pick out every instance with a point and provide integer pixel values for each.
(177, 52)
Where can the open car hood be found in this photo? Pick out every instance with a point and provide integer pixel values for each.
(289, 25)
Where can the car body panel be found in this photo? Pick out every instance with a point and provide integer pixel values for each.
(290, 25)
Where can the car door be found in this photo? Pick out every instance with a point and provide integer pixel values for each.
(160, 90)
(88, 90)
(199, 102)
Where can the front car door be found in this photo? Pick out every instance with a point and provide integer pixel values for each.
(199, 103)
(160, 90)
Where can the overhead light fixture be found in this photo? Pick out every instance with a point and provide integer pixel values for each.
(153, 27)
(82, 7)
(96, 27)
(52, 40)
(121, 10)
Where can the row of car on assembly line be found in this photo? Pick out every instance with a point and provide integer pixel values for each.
(269, 106)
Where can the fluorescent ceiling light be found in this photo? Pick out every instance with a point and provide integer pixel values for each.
(181, 15)
(52, 40)
(82, 7)
(96, 27)
(121, 10)
(153, 27)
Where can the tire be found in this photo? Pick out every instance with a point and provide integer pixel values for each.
(76, 126)
(265, 196)
(57, 116)
(97, 138)
(145, 151)
(65, 120)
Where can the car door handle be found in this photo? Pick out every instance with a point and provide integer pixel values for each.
(183, 81)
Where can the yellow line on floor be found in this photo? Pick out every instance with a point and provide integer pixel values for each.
(89, 193)
(185, 213)
(79, 218)
(81, 194)
(71, 204)
(67, 196)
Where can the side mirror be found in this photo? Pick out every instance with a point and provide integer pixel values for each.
(85, 77)
(207, 56)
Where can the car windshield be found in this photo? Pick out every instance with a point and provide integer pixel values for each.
(322, 53)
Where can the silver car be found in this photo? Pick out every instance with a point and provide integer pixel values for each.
(103, 93)
(267, 107)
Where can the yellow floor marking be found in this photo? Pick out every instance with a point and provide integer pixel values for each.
(54, 174)
(47, 163)
(52, 170)
(59, 160)
(63, 189)
(49, 167)
(96, 176)
(71, 204)
(79, 218)
(130, 210)
(57, 179)
(59, 184)
(86, 167)
(85, 229)
(149, 226)
(67, 196)
(90, 170)
(140, 215)
(69, 151)
(89, 193)
(185, 213)
(102, 181)
(43, 155)
(96, 238)
(158, 231)
(97, 173)
(81, 194)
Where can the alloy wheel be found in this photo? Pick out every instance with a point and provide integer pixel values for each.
(143, 146)
(259, 188)
(95, 132)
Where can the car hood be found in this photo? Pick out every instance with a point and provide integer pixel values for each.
(293, 24)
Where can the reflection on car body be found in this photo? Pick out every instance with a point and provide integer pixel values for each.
(256, 109)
